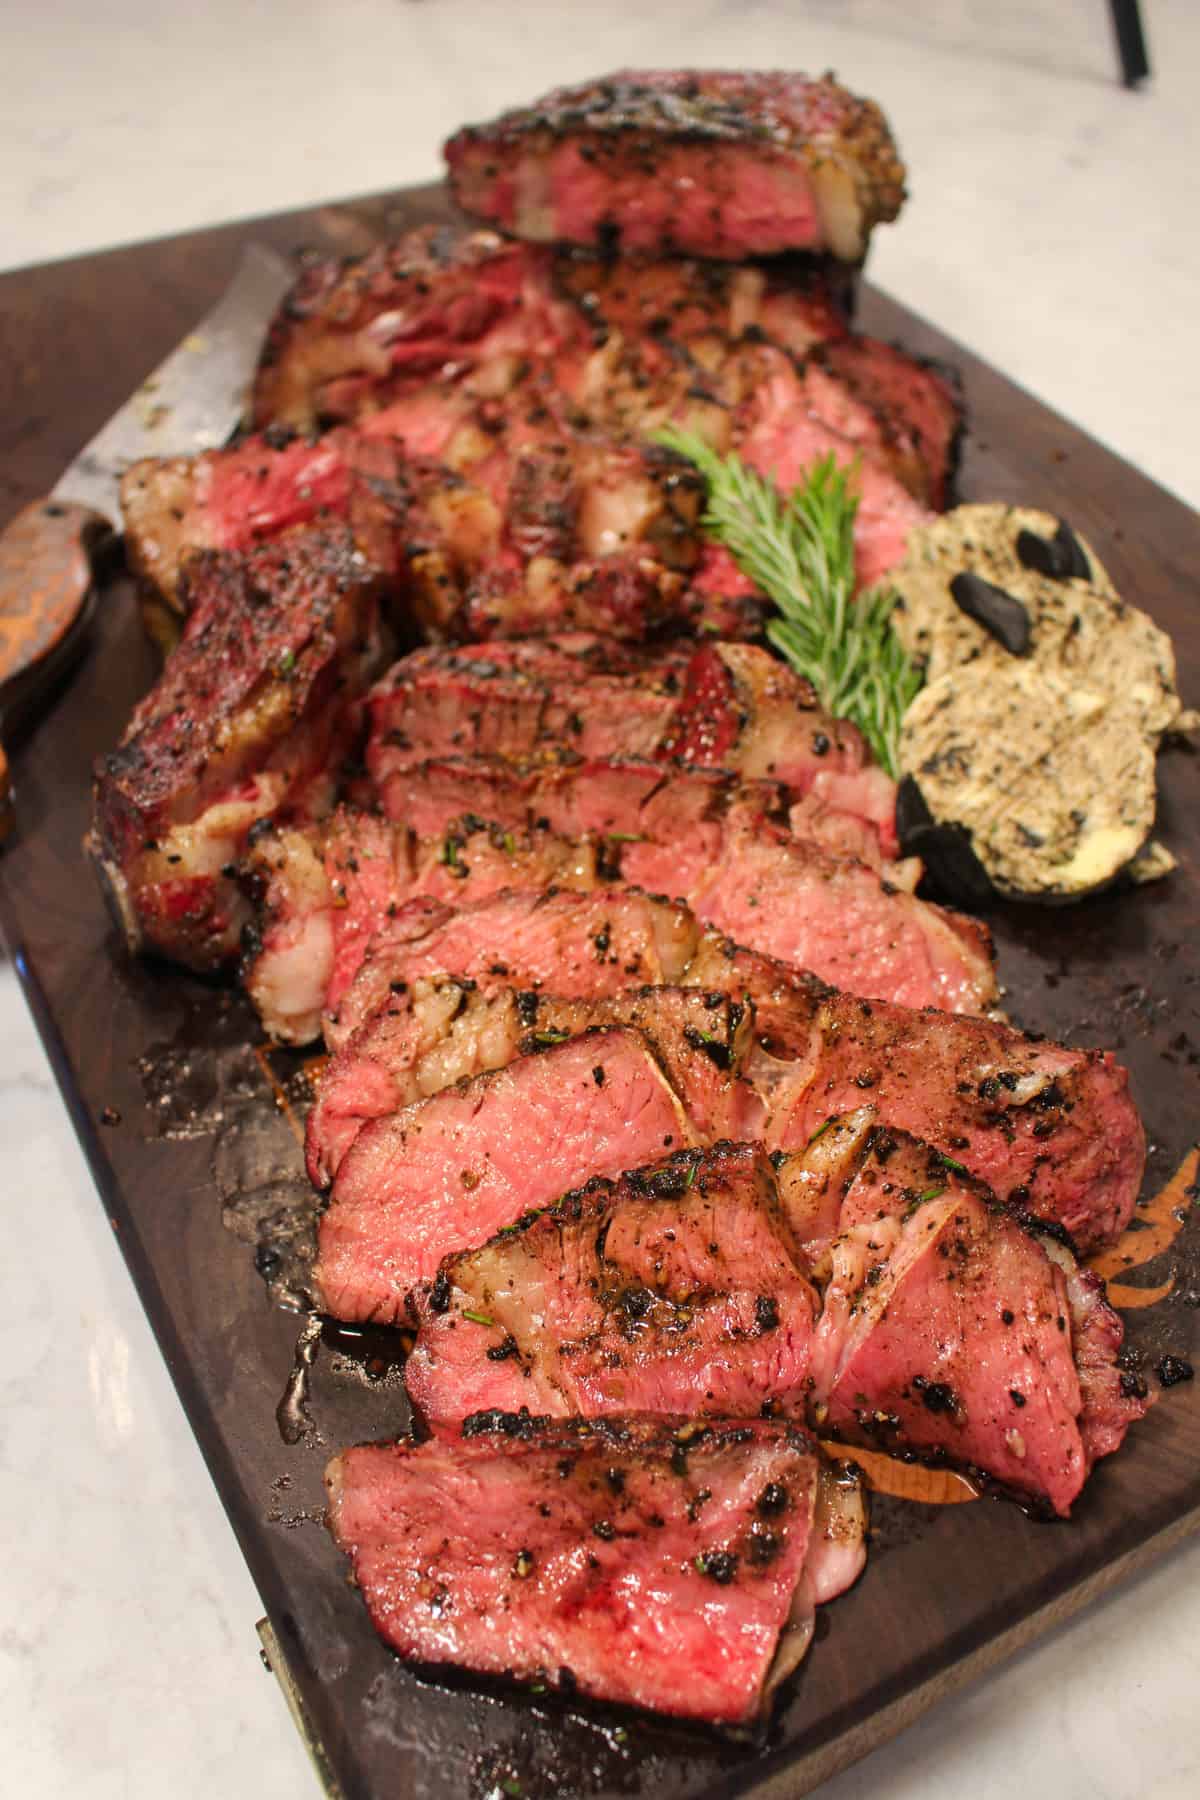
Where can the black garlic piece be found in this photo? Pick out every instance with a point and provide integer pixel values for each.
(952, 868)
(999, 612)
(1059, 557)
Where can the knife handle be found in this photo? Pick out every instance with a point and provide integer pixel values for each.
(47, 570)
(45, 574)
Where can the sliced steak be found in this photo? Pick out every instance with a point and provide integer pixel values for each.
(626, 800)
(948, 1330)
(839, 920)
(451, 1171)
(253, 714)
(622, 799)
(253, 492)
(519, 699)
(718, 706)
(486, 541)
(785, 1000)
(647, 1563)
(691, 162)
(318, 900)
(436, 1032)
(781, 428)
(352, 335)
(745, 710)
(673, 1290)
(1052, 1130)
(919, 404)
(570, 942)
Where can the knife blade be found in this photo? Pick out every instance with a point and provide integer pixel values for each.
(51, 551)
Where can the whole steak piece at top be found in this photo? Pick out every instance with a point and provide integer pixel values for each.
(651, 1563)
(715, 163)
(451, 1171)
(253, 714)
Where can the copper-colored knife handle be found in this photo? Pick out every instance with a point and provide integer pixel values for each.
(46, 574)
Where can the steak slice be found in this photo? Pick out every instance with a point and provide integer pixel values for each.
(675, 1289)
(259, 489)
(436, 1033)
(919, 404)
(709, 163)
(648, 1563)
(451, 1171)
(720, 705)
(569, 942)
(840, 920)
(353, 335)
(319, 899)
(490, 542)
(254, 711)
(626, 800)
(782, 427)
(743, 709)
(948, 1330)
(523, 699)
(1052, 1130)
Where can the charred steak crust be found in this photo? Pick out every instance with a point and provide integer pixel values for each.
(429, 298)
(253, 713)
(674, 1289)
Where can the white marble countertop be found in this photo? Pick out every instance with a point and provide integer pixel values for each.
(1051, 229)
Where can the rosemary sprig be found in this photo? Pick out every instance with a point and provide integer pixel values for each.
(799, 549)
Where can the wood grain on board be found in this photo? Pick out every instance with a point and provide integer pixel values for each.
(170, 1061)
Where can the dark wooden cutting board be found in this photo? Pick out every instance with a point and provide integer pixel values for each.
(177, 1119)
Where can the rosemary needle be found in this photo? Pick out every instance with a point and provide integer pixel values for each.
(799, 550)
